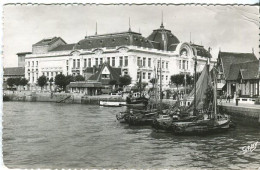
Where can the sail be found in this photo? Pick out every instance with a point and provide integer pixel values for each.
(201, 86)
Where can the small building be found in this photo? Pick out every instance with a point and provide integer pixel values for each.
(98, 79)
(84, 87)
(238, 74)
(12, 72)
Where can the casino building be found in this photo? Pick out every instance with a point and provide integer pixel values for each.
(133, 53)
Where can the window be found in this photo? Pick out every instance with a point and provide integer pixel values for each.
(162, 77)
(32, 78)
(78, 60)
(187, 65)
(105, 76)
(89, 62)
(158, 64)
(29, 76)
(47, 74)
(144, 61)
(167, 65)
(96, 61)
(28, 63)
(163, 64)
(74, 63)
(149, 76)
(179, 64)
(36, 63)
(139, 61)
(144, 75)
(85, 62)
(126, 60)
(149, 62)
(52, 74)
(120, 61)
(67, 62)
(37, 75)
(101, 61)
(138, 75)
(166, 77)
(183, 64)
(113, 61)
(125, 73)
(108, 60)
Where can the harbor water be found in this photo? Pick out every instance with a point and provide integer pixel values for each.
(53, 135)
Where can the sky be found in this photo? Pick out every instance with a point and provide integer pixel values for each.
(225, 28)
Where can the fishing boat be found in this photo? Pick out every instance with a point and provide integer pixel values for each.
(208, 121)
(112, 103)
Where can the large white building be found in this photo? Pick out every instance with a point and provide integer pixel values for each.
(129, 50)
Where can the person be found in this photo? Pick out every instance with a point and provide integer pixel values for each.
(228, 98)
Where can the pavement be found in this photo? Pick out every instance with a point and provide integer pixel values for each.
(244, 105)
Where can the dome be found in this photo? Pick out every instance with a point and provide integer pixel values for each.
(165, 38)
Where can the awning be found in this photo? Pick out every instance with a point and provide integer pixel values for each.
(220, 86)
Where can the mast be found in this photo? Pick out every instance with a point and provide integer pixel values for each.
(160, 85)
(156, 86)
(195, 88)
(215, 93)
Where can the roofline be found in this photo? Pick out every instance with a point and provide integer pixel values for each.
(23, 53)
(116, 33)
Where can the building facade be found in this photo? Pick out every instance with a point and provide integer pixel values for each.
(239, 74)
(134, 54)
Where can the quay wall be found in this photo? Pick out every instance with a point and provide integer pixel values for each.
(246, 115)
(59, 98)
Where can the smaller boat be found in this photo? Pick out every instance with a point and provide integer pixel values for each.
(111, 103)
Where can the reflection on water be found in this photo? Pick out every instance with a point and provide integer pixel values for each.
(51, 135)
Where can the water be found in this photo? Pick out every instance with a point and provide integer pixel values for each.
(51, 135)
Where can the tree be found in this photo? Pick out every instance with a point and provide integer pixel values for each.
(60, 81)
(177, 79)
(79, 78)
(42, 81)
(125, 80)
(69, 78)
(17, 81)
(10, 82)
(23, 82)
(113, 83)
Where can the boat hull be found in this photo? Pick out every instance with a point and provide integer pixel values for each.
(111, 103)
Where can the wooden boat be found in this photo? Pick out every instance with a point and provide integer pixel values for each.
(206, 126)
(111, 103)
(215, 122)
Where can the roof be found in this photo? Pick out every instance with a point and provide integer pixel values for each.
(65, 47)
(85, 84)
(201, 51)
(115, 73)
(247, 70)
(14, 71)
(24, 53)
(162, 35)
(114, 40)
(229, 58)
(48, 41)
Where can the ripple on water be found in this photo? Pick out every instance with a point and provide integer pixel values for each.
(49, 135)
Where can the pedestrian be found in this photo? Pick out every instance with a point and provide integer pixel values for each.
(228, 98)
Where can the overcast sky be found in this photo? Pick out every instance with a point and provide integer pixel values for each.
(231, 28)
